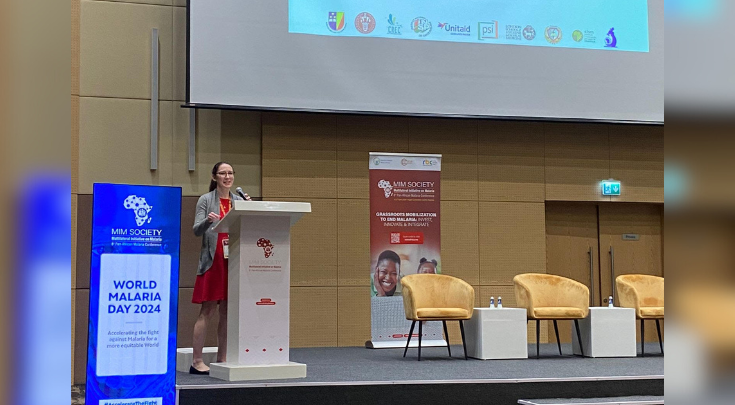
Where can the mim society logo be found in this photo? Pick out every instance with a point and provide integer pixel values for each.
(387, 188)
(140, 208)
(267, 247)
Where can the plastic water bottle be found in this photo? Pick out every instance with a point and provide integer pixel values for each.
(610, 302)
(492, 302)
(500, 302)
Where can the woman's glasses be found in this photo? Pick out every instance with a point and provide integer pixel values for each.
(225, 174)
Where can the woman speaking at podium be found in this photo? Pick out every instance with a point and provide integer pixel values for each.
(210, 288)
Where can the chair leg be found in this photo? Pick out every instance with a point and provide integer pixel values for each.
(410, 332)
(464, 344)
(579, 336)
(643, 339)
(558, 342)
(660, 342)
(421, 333)
(538, 338)
(446, 335)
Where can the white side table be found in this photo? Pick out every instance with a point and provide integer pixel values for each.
(607, 332)
(497, 334)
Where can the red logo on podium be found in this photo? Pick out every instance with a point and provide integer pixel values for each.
(265, 301)
(267, 247)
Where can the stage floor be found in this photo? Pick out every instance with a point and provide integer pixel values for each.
(360, 366)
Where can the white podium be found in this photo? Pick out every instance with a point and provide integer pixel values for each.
(607, 332)
(497, 333)
(258, 291)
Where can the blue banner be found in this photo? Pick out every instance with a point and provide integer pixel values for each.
(620, 25)
(133, 296)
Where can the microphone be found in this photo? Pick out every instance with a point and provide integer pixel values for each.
(242, 194)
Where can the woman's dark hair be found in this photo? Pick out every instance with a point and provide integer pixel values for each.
(424, 260)
(389, 255)
(215, 169)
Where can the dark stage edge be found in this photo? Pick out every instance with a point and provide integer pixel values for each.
(596, 401)
(363, 376)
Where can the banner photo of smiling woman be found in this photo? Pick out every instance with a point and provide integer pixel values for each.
(386, 276)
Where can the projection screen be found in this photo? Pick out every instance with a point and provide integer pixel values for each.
(549, 59)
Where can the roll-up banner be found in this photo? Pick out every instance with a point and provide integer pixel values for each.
(405, 238)
(133, 295)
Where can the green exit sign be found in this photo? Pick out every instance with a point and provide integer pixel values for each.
(610, 187)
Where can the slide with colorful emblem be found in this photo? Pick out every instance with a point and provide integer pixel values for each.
(620, 25)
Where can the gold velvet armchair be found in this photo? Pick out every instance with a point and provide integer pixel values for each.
(550, 297)
(646, 295)
(436, 297)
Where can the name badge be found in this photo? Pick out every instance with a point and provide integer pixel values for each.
(226, 248)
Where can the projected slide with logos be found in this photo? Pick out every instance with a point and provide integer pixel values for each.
(555, 59)
(620, 25)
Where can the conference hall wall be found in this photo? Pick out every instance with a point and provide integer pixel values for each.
(496, 174)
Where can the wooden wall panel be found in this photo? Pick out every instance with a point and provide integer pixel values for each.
(299, 155)
(631, 257)
(512, 241)
(188, 314)
(460, 256)
(353, 242)
(179, 53)
(73, 327)
(637, 160)
(456, 140)
(76, 10)
(114, 142)
(357, 136)
(81, 318)
(230, 136)
(74, 144)
(74, 205)
(571, 231)
(577, 159)
(353, 320)
(506, 292)
(152, 2)
(208, 149)
(241, 146)
(313, 316)
(84, 240)
(511, 161)
(314, 245)
(115, 56)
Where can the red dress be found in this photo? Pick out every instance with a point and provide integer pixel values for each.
(212, 285)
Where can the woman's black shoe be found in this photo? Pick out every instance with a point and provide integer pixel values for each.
(194, 371)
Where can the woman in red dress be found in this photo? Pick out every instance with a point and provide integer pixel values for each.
(210, 288)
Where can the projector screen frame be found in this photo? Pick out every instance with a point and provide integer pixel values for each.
(196, 106)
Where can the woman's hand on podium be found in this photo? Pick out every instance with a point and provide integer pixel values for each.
(211, 217)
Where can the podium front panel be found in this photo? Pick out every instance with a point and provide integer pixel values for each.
(259, 284)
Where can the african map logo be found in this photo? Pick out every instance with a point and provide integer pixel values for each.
(140, 208)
